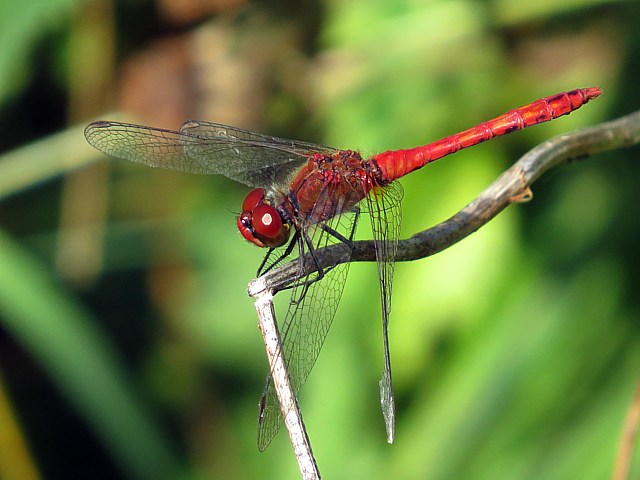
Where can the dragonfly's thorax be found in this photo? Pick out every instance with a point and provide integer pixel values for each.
(331, 184)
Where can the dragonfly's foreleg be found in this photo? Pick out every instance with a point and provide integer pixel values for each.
(262, 270)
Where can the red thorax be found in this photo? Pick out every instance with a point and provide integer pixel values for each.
(325, 187)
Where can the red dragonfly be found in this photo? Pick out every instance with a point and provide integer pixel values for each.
(309, 196)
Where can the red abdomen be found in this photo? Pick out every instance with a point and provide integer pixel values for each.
(397, 163)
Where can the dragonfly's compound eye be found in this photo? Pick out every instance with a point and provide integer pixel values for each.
(268, 226)
(260, 223)
(245, 225)
(253, 199)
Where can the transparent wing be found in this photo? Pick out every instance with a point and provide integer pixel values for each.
(218, 130)
(251, 158)
(386, 217)
(312, 308)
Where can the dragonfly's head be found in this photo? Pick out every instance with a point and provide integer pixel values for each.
(260, 222)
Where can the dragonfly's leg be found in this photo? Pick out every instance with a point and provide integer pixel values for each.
(305, 241)
(338, 235)
(262, 270)
(259, 273)
(306, 247)
(305, 287)
(352, 231)
(356, 212)
(312, 252)
(334, 233)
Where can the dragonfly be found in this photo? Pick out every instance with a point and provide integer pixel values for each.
(305, 197)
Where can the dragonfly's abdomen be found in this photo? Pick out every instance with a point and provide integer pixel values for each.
(395, 164)
(329, 185)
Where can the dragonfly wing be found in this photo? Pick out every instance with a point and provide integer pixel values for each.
(279, 158)
(311, 311)
(217, 130)
(253, 159)
(386, 216)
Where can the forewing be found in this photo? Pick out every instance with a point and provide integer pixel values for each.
(217, 130)
(253, 159)
(386, 216)
(263, 158)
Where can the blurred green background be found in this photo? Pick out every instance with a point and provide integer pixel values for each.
(128, 345)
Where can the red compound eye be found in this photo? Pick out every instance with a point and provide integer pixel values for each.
(245, 226)
(267, 225)
(251, 201)
(260, 223)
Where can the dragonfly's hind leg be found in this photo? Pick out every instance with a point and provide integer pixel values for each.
(346, 241)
